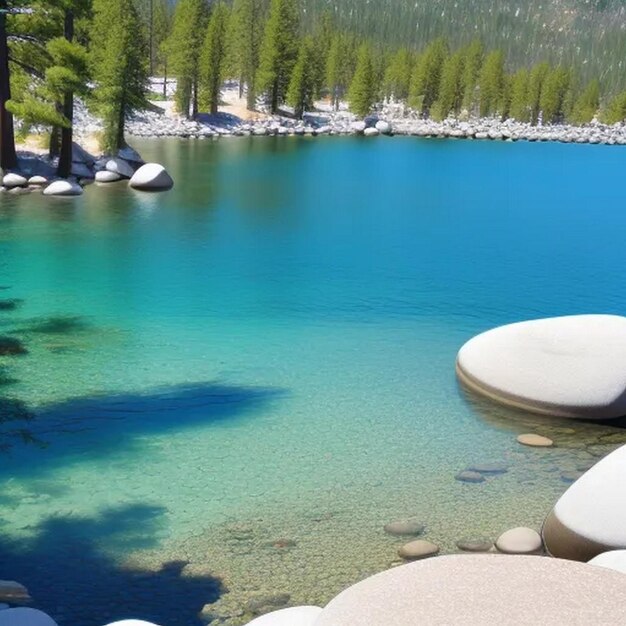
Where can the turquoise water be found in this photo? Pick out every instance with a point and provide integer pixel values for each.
(234, 385)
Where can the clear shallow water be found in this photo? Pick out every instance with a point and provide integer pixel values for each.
(239, 382)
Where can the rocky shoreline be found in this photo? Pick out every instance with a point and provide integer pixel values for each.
(391, 120)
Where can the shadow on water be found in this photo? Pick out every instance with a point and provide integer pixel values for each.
(97, 426)
(73, 580)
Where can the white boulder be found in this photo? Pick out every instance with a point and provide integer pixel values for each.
(293, 616)
(615, 559)
(120, 166)
(590, 517)
(25, 617)
(383, 127)
(520, 541)
(131, 622)
(358, 127)
(14, 180)
(565, 366)
(151, 177)
(482, 589)
(105, 176)
(38, 180)
(63, 188)
(371, 132)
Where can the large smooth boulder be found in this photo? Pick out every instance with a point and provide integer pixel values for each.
(151, 177)
(12, 179)
(25, 617)
(63, 188)
(383, 127)
(293, 616)
(132, 622)
(482, 589)
(590, 517)
(571, 366)
(371, 132)
(615, 560)
(119, 166)
(38, 181)
(11, 591)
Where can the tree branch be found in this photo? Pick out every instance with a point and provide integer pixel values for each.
(28, 68)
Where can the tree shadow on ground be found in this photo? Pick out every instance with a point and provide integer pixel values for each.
(100, 425)
(74, 581)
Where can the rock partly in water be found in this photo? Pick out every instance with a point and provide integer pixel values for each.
(564, 366)
(535, 441)
(105, 176)
(9, 346)
(151, 177)
(130, 154)
(470, 477)
(37, 180)
(520, 541)
(418, 549)
(132, 622)
(25, 617)
(590, 517)
(12, 179)
(615, 560)
(405, 527)
(13, 592)
(371, 132)
(482, 589)
(474, 545)
(383, 127)
(65, 188)
(293, 616)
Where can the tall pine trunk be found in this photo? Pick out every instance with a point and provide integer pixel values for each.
(121, 121)
(8, 157)
(274, 98)
(65, 157)
(194, 99)
(164, 80)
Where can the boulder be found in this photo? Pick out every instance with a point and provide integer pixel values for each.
(358, 127)
(590, 517)
(489, 468)
(405, 527)
(119, 166)
(104, 176)
(418, 549)
(293, 616)
(482, 589)
(81, 170)
(80, 155)
(470, 477)
(9, 346)
(63, 188)
(261, 131)
(12, 179)
(615, 560)
(37, 180)
(565, 366)
(520, 541)
(25, 617)
(13, 592)
(474, 545)
(132, 622)
(383, 127)
(151, 177)
(130, 154)
(535, 441)
(371, 132)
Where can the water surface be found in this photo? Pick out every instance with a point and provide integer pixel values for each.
(234, 385)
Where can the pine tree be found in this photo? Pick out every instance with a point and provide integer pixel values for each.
(520, 104)
(361, 95)
(212, 59)
(119, 67)
(553, 95)
(398, 76)
(615, 111)
(279, 51)
(183, 47)
(245, 34)
(474, 55)
(450, 97)
(426, 79)
(587, 104)
(535, 86)
(491, 84)
(303, 84)
(322, 41)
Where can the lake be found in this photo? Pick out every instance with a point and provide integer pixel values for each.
(233, 386)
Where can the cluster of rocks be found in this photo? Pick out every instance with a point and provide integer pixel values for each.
(37, 174)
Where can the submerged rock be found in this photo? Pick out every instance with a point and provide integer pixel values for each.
(151, 177)
(474, 545)
(259, 603)
(10, 305)
(470, 477)
(13, 592)
(520, 541)
(60, 325)
(400, 528)
(535, 441)
(418, 549)
(489, 468)
(9, 346)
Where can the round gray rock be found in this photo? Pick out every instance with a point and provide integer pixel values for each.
(14, 180)
(482, 589)
(470, 477)
(535, 441)
(120, 166)
(63, 188)
(405, 527)
(474, 545)
(105, 176)
(418, 549)
(520, 541)
(151, 177)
